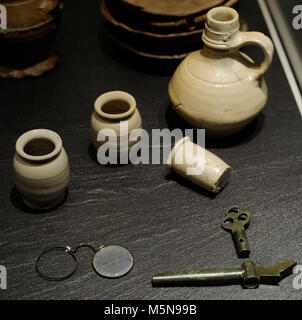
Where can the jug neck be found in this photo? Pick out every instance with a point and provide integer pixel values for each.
(221, 28)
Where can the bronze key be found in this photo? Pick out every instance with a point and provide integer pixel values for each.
(236, 221)
(249, 275)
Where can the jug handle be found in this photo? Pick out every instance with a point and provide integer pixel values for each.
(260, 40)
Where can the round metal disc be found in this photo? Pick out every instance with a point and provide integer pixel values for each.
(113, 262)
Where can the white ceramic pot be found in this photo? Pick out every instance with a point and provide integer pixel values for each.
(110, 110)
(41, 169)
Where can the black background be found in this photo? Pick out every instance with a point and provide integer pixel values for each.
(168, 224)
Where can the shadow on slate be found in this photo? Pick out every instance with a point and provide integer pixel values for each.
(17, 202)
(250, 132)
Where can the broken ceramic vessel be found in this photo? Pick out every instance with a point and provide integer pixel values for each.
(219, 88)
(41, 169)
(115, 116)
(198, 165)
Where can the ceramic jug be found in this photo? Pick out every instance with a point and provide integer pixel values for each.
(219, 88)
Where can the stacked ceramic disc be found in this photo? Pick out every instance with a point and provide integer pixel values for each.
(163, 29)
(26, 46)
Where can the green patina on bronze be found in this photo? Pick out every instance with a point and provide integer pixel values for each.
(236, 221)
(249, 275)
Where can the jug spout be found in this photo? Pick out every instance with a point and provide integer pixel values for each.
(222, 24)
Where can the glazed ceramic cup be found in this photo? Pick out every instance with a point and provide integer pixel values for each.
(215, 174)
(110, 110)
(41, 169)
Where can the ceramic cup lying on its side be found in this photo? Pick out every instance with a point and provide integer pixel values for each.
(212, 174)
(41, 169)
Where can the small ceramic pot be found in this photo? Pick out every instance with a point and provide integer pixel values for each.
(41, 169)
(111, 110)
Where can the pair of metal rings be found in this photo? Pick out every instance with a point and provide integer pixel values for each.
(108, 262)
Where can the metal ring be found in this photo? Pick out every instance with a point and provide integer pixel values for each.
(235, 209)
(45, 252)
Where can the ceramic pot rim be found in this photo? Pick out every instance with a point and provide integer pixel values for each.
(39, 134)
(111, 96)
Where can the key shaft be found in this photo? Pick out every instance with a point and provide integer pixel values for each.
(201, 277)
(249, 275)
(241, 242)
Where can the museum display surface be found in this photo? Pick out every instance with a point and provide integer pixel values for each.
(134, 231)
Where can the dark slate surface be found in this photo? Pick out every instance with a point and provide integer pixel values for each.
(168, 225)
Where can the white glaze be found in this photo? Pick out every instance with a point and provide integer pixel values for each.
(215, 174)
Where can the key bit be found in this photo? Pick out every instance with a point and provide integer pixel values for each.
(236, 221)
(249, 275)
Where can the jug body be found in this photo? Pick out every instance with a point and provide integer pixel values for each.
(219, 88)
